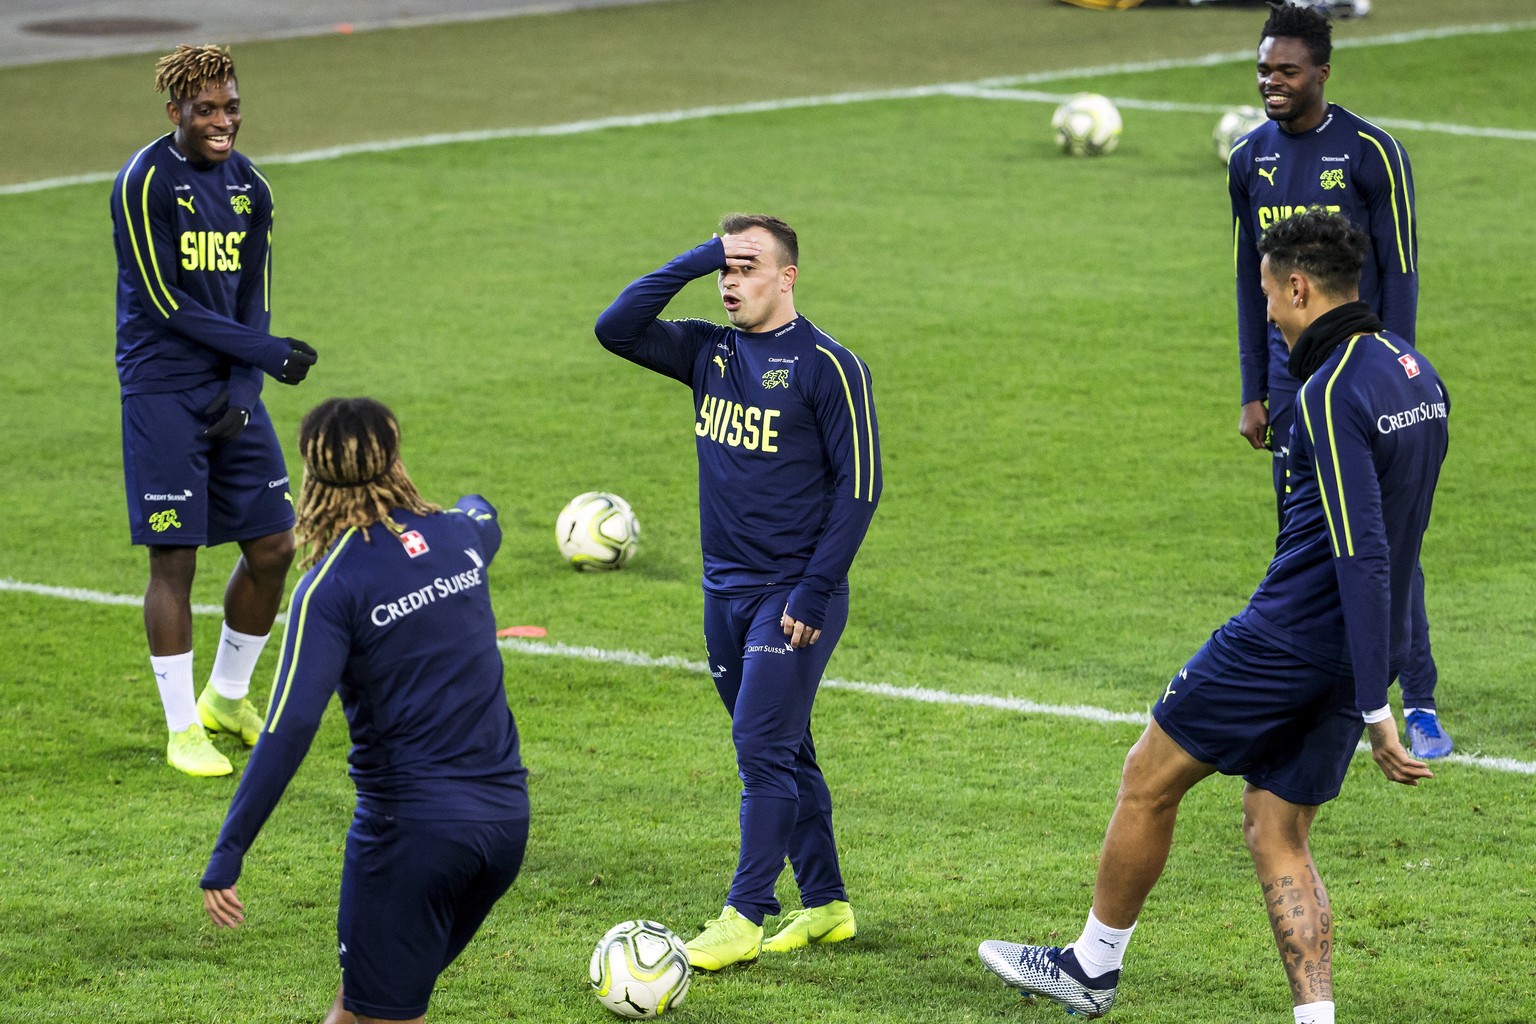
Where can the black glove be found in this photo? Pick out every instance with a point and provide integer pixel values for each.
(300, 358)
(231, 423)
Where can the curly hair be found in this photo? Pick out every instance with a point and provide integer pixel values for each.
(1308, 24)
(1324, 246)
(352, 473)
(188, 69)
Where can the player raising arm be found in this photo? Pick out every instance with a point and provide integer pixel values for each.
(394, 616)
(789, 476)
(1281, 692)
(192, 226)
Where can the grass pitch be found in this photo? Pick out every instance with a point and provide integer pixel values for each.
(1068, 512)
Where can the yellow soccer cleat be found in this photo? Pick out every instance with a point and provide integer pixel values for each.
(728, 939)
(191, 751)
(832, 922)
(221, 714)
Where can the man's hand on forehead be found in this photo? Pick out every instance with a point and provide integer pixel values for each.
(741, 250)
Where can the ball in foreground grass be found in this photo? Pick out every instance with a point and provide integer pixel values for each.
(1087, 125)
(640, 970)
(1233, 125)
(597, 531)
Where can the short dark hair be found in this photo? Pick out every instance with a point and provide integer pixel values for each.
(789, 242)
(1324, 246)
(1308, 24)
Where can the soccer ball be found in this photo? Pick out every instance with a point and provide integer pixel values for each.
(640, 970)
(597, 530)
(1087, 125)
(1234, 124)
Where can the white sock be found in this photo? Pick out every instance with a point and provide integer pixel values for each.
(173, 675)
(1409, 711)
(1101, 949)
(1315, 1013)
(236, 660)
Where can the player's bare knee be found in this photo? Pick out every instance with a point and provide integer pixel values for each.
(172, 566)
(269, 557)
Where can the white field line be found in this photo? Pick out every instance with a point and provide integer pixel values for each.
(636, 659)
(987, 88)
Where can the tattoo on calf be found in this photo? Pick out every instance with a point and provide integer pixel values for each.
(1302, 921)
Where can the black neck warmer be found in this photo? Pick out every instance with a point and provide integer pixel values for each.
(1327, 332)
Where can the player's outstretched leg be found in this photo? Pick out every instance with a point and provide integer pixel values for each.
(1052, 972)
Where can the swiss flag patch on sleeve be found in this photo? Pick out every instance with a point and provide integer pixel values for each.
(416, 544)
(1410, 364)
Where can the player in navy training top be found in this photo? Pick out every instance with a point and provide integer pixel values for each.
(1314, 153)
(192, 226)
(1281, 692)
(789, 476)
(394, 616)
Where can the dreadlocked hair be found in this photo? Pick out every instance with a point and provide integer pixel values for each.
(352, 473)
(188, 69)
(1309, 24)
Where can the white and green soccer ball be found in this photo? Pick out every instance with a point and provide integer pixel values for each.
(640, 970)
(1234, 124)
(1087, 125)
(597, 531)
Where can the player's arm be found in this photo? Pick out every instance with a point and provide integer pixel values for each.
(145, 215)
(1340, 430)
(253, 297)
(1252, 325)
(845, 411)
(1387, 181)
(482, 514)
(315, 647)
(631, 327)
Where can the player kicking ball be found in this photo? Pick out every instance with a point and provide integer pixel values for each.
(789, 476)
(1281, 692)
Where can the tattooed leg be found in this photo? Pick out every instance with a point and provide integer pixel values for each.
(1294, 896)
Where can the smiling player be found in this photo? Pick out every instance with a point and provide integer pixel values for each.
(789, 476)
(1315, 153)
(192, 226)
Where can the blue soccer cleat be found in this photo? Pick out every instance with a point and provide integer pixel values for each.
(1051, 972)
(1425, 737)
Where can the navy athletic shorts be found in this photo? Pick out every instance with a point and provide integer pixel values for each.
(187, 491)
(413, 893)
(1285, 726)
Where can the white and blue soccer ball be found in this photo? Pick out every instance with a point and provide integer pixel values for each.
(1234, 124)
(640, 970)
(597, 531)
(1087, 125)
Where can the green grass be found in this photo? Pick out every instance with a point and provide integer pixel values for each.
(1068, 512)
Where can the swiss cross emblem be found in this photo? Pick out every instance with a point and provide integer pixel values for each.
(1410, 364)
(416, 544)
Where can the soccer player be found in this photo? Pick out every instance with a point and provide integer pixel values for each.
(789, 476)
(192, 225)
(394, 616)
(1281, 692)
(1315, 153)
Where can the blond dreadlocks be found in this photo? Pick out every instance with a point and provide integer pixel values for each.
(352, 473)
(186, 71)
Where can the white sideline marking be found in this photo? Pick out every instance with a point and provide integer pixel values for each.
(986, 88)
(635, 659)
